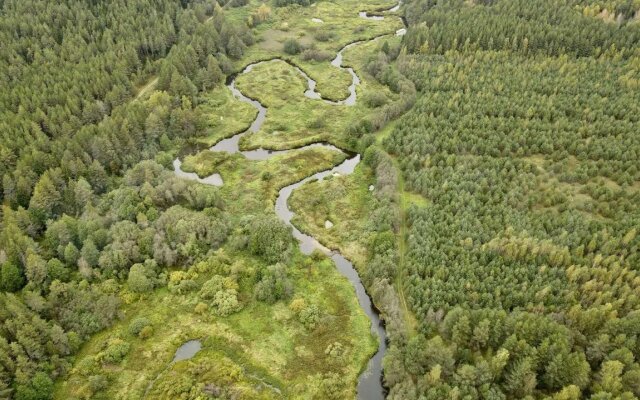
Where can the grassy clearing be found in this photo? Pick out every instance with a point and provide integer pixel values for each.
(225, 114)
(146, 88)
(294, 120)
(252, 186)
(205, 163)
(341, 26)
(345, 201)
(255, 353)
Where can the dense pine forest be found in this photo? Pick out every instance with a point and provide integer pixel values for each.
(494, 219)
(522, 267)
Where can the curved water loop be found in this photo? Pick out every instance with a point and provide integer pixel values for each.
(370, 385)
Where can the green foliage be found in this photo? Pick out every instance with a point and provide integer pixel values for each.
(292, 46)
(114, 352)
(11, 278)
(138, 281)
(284, 3)
(40, 387)
(225, 302)
(553, 28)
(137, 325)
(268, 237)
(70, 129)
(273, 284)
(310, 316)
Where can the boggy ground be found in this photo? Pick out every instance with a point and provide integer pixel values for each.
(339, 26)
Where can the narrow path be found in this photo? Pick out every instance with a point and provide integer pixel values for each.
(402, 250)
(146, 88)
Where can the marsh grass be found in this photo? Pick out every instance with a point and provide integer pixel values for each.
(225, 115)
(341, 26)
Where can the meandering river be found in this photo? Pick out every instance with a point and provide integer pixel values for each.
(370, 383)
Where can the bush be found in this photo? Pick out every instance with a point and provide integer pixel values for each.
(274, 284)
(317, 123)
(324, 36)
(201, 308)
(309, 316)
(284, 3)
(268, 237)
(375, 99)
(212, 287)
(138, 280)
(146, 332)
(316, 55)
(115, 352)
(98, 383)
(226, 302)
(292, 46)
(137, 325)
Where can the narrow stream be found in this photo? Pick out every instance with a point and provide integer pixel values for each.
(370, 384)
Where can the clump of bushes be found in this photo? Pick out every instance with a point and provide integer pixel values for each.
(138, 325)
(324, 36)
(316, 55)
(308, 314)
(292, 46)
(221, 294)
(274, 284)
(114, 352)
(375, 99)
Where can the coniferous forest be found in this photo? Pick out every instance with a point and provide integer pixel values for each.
(491, 212)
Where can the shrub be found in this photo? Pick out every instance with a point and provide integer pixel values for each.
(324, 36)
(317, 123)
(211, 287)
(292, 46)
(201, 308)
(268, 237)
(146, 332)
(115, 352)
(310, 316)
(226, 302)
(375, 99)
(137, 325)
(274, 284)
(316, 55)
(98, 383)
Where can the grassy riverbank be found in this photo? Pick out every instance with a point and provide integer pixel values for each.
(225, 115)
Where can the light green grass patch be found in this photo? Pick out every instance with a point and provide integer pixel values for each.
(345, 201)
(255, 184)
(293, 120)
(225, 115)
